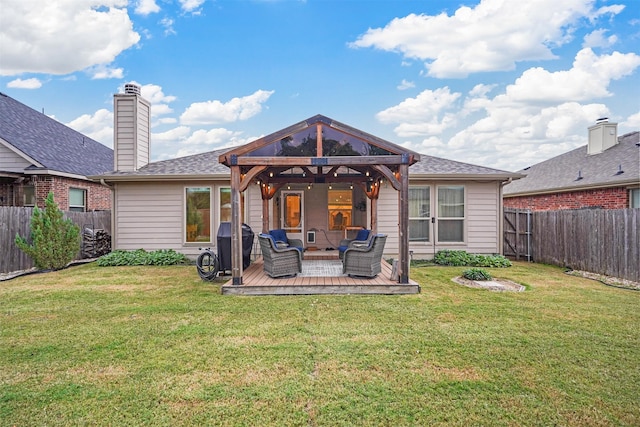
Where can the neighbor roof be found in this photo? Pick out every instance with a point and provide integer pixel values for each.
(52, 145)
(577, 170)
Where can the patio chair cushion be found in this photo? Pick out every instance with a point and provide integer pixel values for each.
(361, 239)
(281, 240)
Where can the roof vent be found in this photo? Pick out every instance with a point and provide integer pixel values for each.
(602, 120)
(131, 89)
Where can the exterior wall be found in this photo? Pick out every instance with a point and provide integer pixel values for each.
(482, 231)
(151, 215)
(605, 198)
(12, 162)
(98, 196)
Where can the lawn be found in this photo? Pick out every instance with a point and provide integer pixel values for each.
(157, 346)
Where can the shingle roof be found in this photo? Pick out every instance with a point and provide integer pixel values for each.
(561, 173)
(197, 164)
(50, 143)
(207, 164)
(429, 165)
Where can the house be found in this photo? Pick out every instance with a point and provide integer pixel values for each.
(39, 155)
(319, 179)
(605, 174)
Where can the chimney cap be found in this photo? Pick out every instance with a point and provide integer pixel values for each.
(131, 89)
(602, 120)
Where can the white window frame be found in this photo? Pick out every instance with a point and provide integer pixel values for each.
(422, 218)
(634, 197)
(24, 196)
(440, 218)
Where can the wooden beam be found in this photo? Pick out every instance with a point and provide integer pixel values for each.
(321, 161)
(403, 225)
(319, 139)
(249, 176)
(236, 227)
(391, 177)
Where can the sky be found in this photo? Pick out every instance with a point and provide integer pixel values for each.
(498, 83)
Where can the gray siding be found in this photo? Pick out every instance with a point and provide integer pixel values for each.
(12, 162)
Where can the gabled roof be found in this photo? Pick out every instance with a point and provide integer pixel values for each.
(48, 144)
(577, 170)
(337, 139)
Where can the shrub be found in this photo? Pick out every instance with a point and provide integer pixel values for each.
(476, 274)
(142, 257)
(462, 258)
(55, 241)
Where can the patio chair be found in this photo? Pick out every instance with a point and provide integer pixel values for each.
(281, 239)
(279, 262)
(362, 239)
(364, 261)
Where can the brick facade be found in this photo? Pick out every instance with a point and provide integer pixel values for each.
(98, 196)
(605, 198)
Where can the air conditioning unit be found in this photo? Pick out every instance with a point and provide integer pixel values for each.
(311, 236)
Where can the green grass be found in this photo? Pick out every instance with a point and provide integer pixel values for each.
(156, 346)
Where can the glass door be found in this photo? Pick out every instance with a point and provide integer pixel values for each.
(292, 213)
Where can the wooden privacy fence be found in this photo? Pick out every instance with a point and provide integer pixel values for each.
(603, 241)
(18, 220)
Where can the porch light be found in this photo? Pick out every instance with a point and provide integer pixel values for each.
(335, 174)
(270, 174)
(367, 174)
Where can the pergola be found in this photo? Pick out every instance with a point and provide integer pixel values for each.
(319, 150)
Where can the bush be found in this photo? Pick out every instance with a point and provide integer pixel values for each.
(142, 257)
(476, 274)
(55, 241)
(462, 258)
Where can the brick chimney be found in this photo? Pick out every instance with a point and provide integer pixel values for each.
(131, 129)
(602, 135)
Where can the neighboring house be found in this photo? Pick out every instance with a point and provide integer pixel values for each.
(603, 174)
(39, 155)
(178, 204)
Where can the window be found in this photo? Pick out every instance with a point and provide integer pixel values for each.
(198, 214)
(419, 213)
(77, 200)
(340, 209)
(29, 195)
(451, 213)
(634, 199)
(225, 204)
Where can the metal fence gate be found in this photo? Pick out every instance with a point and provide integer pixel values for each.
(517, 234)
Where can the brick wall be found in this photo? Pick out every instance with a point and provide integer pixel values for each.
(98, 196)
(606, 198)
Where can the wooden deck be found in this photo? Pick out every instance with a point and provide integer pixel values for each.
(257, 282)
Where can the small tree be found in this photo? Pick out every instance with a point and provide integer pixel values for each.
(55, 241)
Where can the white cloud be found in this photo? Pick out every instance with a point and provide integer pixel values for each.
(492, 36)
(103, 72)
(406, 84)
(213, 112)
(31, 83)
(191, 5)
(422, 115)
(60, 37)
(98, 126)
(597, 38)
(146, 7)
(632, 122)
(167, 23)
(588, 79)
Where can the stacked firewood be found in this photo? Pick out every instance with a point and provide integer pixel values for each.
(95, 243)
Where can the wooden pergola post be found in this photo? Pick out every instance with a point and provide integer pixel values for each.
(236, 227)
(403, 224)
